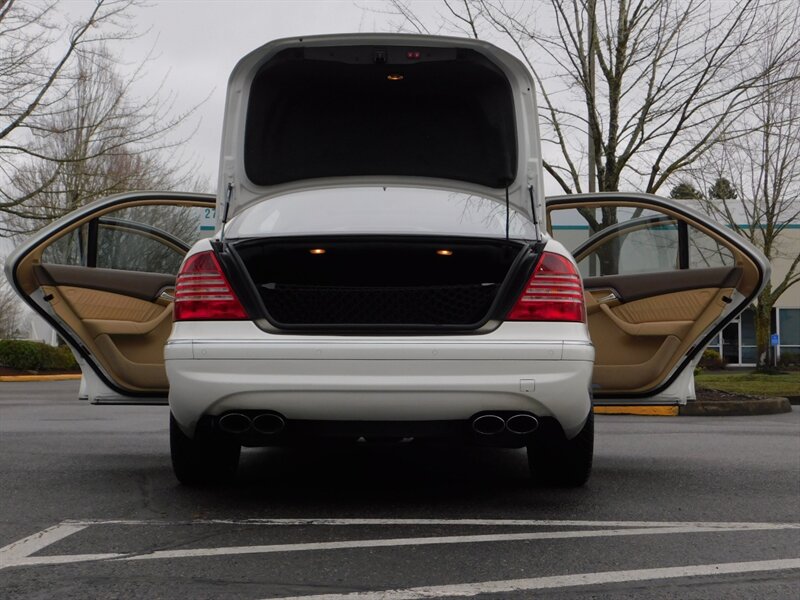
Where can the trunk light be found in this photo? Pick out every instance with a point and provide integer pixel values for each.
(394, 77)
(317, 251)
(553, 293)
(444, 252)
(202, 293)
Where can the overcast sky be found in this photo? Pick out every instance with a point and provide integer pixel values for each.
(198, 42)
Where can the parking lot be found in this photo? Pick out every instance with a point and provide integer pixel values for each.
(676, 507)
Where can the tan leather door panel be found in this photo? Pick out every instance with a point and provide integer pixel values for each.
(125, 333)
(145, 286)
(638, 342)
(647, 285)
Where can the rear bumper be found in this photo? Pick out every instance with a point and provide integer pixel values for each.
(381, 378)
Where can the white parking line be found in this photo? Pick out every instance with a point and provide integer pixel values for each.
(20, 553)
(423, 541)
(559, 581)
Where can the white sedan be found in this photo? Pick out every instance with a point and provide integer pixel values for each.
(379, 263)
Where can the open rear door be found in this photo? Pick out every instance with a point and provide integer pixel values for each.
(104, 278)
(661, 280)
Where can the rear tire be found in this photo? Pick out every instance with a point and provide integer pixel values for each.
(561, 462)
(206, 459)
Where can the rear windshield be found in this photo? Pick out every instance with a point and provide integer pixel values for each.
(362, 110)
(379, 210)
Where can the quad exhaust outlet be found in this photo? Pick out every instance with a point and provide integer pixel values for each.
(520, 424)
(268, 424)
(235, 423)
(265, 423)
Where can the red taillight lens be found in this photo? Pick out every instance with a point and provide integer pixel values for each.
(203, 294)
(553, 293)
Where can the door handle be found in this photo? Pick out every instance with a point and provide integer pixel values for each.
(612, 297)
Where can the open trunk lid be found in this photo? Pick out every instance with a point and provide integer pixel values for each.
(380, 109)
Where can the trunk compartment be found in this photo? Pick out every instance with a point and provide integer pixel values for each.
(381, 282)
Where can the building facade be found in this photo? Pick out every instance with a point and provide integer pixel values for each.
(737, 342)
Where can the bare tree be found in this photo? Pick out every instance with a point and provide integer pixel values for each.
(631, 92)
(753, 185)
(71, 128)
(103, 139)
(653, 84)
(10, 310)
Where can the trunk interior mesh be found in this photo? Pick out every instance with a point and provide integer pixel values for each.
(333, 305)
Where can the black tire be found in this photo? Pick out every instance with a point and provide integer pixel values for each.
(207, 459)
(555, 460)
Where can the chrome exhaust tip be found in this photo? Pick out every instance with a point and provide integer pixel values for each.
(269, 424)
(488, 425)
(234, 423)
(522, 424)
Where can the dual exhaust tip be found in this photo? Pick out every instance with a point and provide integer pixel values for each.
(521, 424)
(265, 423)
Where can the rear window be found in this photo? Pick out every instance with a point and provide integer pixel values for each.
(378, 111)
(379, 210)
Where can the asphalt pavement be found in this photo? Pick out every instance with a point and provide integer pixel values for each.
(677, 507)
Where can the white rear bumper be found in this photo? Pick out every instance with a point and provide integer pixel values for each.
(378, 378)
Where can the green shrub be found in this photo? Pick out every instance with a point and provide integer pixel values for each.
(711, 360)
(35, 356)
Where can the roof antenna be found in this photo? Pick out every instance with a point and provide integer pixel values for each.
(508, 215)
(228, 193)
(533, 212)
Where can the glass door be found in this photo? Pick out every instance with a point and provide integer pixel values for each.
(730, 342)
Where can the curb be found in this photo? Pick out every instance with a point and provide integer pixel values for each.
(740, 408)
(702, 408)
(650, 410)
(63, 377)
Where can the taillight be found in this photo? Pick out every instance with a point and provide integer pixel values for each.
(553, 293)
(202, 293)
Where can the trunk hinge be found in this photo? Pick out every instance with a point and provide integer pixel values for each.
(533, 215)
(508, 214)
(225, 205)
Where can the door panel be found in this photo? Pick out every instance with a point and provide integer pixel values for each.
(638, 342)
(145, 286)
(659, 281)
(105, 278)
(125, 333)
(646, 285)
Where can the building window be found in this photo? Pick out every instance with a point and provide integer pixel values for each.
(748, 338)
(737, 342)
(789, 331)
